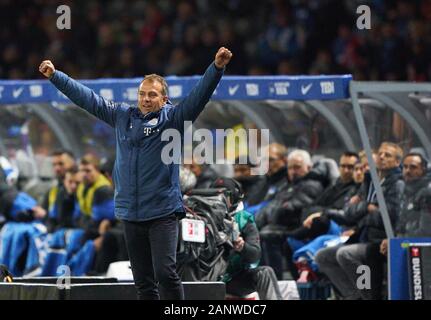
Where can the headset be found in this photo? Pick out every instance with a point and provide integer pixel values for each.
(233, 189)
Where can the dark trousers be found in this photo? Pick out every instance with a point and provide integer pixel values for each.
(152, 251)
(113, 249)
(377, 263)
(272, 254)
(340, 264)
(261, 279)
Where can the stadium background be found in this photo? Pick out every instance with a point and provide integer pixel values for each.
(117, 39)
(128, 39)
(134, 38)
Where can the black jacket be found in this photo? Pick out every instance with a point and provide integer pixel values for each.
(65, 206)
(333, 198)
(252, 250)
(252, 187)
(264, 215)
(286, 209)
(301, 194)
(370, 225)
(415, 216)
(339, 214)
(7, 196)
(270, 187)
(331, 203)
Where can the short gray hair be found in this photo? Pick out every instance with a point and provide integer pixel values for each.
(303, 154)
(156, 78)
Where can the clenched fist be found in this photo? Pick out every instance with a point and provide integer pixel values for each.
(222, 57)
(47, 68)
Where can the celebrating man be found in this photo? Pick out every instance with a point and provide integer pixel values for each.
(147, 191)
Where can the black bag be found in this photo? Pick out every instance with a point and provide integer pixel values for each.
(206, 261)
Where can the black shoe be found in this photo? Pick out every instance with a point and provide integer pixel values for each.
(5, 275)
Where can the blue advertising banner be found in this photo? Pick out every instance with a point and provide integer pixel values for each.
(229, 88)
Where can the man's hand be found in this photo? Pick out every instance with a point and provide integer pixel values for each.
(38, 212)
(238, 245)
(98, 243)
(104, 226)
(222, 57)
(372, 208)
(384, 247)
(47, 68)
(309, 220)
(348, 233)
(355, 199)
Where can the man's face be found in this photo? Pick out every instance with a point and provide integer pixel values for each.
(346, 168)
(150, 97)
(241, 170)
(276, 162)
(387, 158)
(71, 181)
(358, 173)
(89, 173)
(61, 164)
(412, 168)
(365, 164)
(195, 168)
(296, 168)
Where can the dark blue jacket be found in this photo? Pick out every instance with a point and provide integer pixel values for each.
(145, 187)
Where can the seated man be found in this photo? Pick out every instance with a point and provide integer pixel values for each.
(341, 262)
(64, 211)
(344, 216)
(20, 220)
(205, 175)
(94, 194)
(415, 218)
(57, 196)
(96, 210)
(251, 184)
(274, 180)
(304, 256)
(334, 198)
(283, 214)
(17, 206)
(243, 274)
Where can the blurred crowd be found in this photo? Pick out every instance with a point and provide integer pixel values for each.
(311, 218)
(319, 219)
(171, 37)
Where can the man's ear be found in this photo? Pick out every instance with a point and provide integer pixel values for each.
(165, 99)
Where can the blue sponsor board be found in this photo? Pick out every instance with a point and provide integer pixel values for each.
(229, 88)
(398, 266)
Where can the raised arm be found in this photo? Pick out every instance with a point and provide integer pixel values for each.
(192, 105)
(79, 94)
